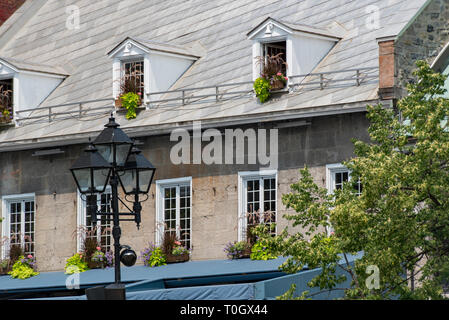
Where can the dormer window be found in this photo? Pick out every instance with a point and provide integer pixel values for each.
(302, 47)
(158, 65)
(6, 102)
(18, 90)
(275, 48)
(133, 75)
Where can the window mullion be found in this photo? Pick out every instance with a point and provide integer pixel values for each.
(178, 211)
(262, 200)
(22, 224)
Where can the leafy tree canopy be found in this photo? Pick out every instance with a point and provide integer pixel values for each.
(400, 221)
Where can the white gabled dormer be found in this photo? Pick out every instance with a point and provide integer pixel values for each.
(303, 47)
(160, 64)
(28, 84)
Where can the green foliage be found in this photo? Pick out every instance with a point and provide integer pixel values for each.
(153, 257)
(130, 101)
(22, 270)
(263, 249)
(75, 264)
(179, 250)
(262, 89)
(401, 219)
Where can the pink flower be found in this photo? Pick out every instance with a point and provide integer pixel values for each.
(98, 248)
(30, 256)
(139, 93)
(177, 243)
(285, 78)
(279, 74)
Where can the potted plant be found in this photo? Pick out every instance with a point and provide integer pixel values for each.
(238, 250)
(102, 259)
(91, 253)
(76, 264)
(271, 76)
(5, 106)
(173, 249)
(24, 267)
(153, 256)
(130, 98)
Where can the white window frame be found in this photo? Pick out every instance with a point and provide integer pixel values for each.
(243, 177)
(81, 217)
(6, 232)
(160, 185)
(331, 170)
(258, 51)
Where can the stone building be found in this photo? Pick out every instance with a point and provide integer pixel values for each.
(61, 66)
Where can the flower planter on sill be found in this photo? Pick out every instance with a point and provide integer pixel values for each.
(171, 258)
(245, 254)
(277, 85)
(95, 265)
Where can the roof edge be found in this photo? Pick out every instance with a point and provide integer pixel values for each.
(18, 19)
(150, 130)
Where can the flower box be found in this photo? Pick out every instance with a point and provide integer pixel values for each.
(277, 85)
(118, 104)
(172, 258)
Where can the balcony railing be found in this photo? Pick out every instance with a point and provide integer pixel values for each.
(203, 94)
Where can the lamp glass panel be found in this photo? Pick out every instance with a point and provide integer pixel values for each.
(122, 151)
(106, 152)
(83, 178)
(144, 179)
(129, 180)
(100, 179)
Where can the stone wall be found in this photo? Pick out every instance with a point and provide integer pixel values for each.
(423, 40)
(214, 196)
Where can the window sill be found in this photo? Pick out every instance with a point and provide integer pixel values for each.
(7, 124)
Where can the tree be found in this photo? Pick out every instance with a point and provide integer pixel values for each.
(401, 219)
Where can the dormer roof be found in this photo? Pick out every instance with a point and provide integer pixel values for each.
(148, 46)
(19, 65)
(269, 26)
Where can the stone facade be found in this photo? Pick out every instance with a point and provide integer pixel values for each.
(422, 40)
(325, 140)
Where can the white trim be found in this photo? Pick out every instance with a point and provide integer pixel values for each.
(160, 185)
(81, 214)
(241, 195)
(264, 26)
(331, 169)
(6, 223)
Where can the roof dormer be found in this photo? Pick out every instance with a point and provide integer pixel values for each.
(158, 64)
(24, 86)
(303, 47)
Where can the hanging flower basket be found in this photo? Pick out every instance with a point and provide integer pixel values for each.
(175, 258)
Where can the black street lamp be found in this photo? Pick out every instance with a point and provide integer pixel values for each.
(109, 160)
(135, 178)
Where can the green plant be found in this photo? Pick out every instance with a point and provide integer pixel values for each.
(262, 89)
(130, 101)
(236, 250)
(400, 221)
(75, 264)
(23, 268)
(153, 256)
(15, 252)
(261, 251)
(179, 250)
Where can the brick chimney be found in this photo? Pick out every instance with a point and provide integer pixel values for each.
(387, 70)
(7, 8)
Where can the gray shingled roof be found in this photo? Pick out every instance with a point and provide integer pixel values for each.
(220, 28)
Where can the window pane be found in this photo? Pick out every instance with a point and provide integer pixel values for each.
(171, 199)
